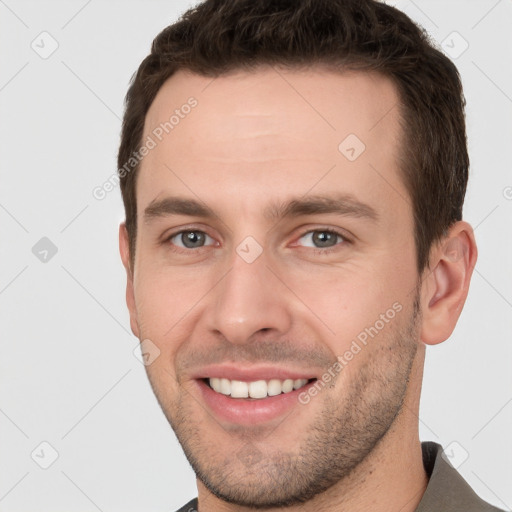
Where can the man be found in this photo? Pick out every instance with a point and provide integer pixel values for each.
(293, 175)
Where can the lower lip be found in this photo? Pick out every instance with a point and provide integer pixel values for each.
(245, 411)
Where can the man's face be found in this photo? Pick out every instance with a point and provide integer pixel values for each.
(298, 252)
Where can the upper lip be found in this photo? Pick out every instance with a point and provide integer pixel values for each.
(250, 373)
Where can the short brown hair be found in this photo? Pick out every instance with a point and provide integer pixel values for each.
(219, 36)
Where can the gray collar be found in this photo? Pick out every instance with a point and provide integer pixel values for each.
(447, 491)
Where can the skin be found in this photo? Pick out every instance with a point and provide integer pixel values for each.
(273, 135)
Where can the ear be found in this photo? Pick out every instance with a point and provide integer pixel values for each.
(124, 249)
(445, 283)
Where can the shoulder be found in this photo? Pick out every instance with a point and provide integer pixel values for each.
(191, 506)
(447, 490)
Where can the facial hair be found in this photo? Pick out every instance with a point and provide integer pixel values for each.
(332, 444)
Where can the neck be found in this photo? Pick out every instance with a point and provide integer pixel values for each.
(391, 478)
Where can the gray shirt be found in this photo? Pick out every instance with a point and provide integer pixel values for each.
(446, 491)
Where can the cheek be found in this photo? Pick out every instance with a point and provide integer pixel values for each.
(156, 303)
(349, 301)
(167, 300)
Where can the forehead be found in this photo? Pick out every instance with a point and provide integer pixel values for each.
(270, 133)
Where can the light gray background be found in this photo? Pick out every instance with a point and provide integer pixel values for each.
(68, 372)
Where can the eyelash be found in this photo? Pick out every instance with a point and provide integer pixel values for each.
(316, 250)
(326, 250)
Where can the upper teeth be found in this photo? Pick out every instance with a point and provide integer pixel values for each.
(255, 389)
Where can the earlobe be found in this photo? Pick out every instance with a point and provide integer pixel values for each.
(446, 284)
(124, 250)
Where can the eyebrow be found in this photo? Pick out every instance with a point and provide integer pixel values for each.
(341, 204)
(176, 206)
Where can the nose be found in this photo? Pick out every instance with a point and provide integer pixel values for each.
(250, 299)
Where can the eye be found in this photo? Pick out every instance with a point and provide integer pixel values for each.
(322, 239)
(190, 239)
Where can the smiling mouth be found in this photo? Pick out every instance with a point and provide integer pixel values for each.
(258, 389)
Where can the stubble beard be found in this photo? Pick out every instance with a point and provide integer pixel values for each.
(335, 442)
